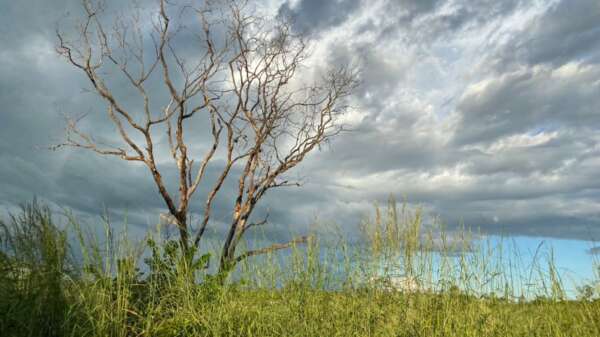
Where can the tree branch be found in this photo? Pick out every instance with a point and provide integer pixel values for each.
(272, 248)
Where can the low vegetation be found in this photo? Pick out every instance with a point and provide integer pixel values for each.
(62, 281)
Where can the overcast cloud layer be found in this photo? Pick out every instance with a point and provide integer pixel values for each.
(482, 111)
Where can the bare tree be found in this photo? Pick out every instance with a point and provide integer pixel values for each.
(230, 74)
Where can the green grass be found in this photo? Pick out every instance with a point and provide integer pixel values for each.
(116, 287)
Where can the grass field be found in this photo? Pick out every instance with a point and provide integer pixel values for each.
(60, 281)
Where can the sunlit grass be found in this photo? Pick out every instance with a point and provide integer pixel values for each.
(407, 279)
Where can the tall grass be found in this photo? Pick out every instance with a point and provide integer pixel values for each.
(34, 264)
(404, 279)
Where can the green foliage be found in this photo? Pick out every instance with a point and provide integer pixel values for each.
(325, 289)
(34, 273)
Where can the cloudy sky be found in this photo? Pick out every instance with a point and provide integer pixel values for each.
(483, 112)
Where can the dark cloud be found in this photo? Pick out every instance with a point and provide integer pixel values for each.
(425, 22)
(477, 121)
(565, 33)
(530, 99)
(314, 15)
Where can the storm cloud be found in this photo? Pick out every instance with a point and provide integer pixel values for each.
(482, 112)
